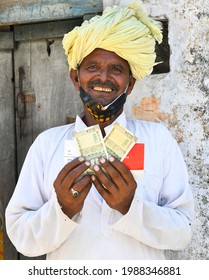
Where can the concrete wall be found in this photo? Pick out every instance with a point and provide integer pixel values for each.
(180, 100)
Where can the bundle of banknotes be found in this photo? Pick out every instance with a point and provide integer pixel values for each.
(119, 142)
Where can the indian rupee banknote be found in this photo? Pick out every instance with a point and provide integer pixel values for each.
(91, 145)
(119, 141)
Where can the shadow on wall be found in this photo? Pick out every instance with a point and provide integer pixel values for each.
(163, 52)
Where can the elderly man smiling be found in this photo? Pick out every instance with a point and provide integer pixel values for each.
(110, 214)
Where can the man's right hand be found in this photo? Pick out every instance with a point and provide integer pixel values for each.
(67, 179)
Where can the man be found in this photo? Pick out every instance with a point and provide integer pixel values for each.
(109, 215)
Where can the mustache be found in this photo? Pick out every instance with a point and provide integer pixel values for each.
(103, 84)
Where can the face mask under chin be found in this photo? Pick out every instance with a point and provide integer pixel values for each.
(99, 112)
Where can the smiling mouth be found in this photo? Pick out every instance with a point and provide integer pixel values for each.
(104, 89)
(99, 86)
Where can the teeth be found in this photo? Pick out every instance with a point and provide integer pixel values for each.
(102, 89)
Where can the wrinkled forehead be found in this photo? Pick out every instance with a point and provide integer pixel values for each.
(104, 57)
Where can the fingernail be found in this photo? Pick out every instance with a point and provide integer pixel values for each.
(93, 178)
(111, 159)
(81, 159)
(102, 160)
(87, 163)
(96, 168)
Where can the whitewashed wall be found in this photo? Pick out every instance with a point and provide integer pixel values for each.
(180, 100)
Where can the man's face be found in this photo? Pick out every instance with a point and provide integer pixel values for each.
(104, 76)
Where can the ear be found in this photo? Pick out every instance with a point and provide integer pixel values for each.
(74, 78)
(132, 82)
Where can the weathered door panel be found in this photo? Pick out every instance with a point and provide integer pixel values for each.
(48, 93)
(7, 146)
(35, 77)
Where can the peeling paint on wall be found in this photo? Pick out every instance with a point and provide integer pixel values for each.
(149, 109)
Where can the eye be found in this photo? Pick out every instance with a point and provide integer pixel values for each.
(116, 70)
(92, 67)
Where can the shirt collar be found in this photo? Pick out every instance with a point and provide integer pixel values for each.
(80, 125)
(121, 119)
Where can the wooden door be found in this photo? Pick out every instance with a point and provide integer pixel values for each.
(7, 141)
(36, 93)
(45, 97)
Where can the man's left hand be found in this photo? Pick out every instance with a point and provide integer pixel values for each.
(115, 183)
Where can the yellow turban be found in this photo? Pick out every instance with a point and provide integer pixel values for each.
(128, 32)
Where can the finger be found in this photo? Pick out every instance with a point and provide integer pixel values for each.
(104, 179)
(83, 194)
(123, 170)
(82, 186)
(113, 173)
(100, 188)
(64, 183)
(72, 205)
(69, 166)
(74, 174)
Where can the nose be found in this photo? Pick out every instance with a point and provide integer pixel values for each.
(103, 74)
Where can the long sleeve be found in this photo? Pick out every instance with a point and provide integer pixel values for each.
(162, 211)
(34, 220)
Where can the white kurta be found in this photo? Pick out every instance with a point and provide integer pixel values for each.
(159, 218)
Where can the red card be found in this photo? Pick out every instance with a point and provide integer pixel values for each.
(135, 158)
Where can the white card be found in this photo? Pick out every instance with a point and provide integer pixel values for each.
(70, 151)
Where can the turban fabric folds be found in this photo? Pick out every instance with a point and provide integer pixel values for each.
(128, 32)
